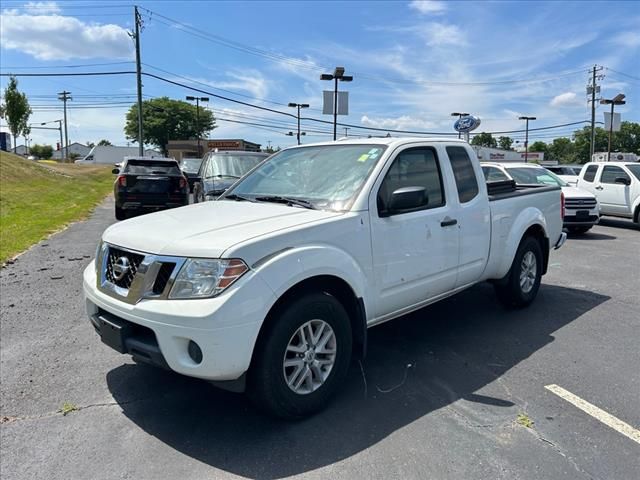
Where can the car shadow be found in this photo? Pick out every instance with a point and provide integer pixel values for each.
(415, 365)
(618, 223)
(588, 236)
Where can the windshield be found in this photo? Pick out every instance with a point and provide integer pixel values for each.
(147, 167)
(635, 169)
(191, 165)
(326, 176)
(234, 165)
(534, 175)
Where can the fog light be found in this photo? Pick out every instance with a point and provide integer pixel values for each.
(194, 351)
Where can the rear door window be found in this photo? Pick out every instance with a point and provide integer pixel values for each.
(493, 174)
(463, 171)
(590, 173)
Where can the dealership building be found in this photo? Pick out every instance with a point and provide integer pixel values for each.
(180, 149)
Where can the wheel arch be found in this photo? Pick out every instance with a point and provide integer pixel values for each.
(339, 289)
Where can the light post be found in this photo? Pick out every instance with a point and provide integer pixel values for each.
(59, 128)
(617, 100)
(526, 137)
(459, 115)
(198, 100)
(298, 106)
(338, 74)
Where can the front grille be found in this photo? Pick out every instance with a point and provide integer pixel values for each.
(577, 203)
(133, 260)
(163, 277)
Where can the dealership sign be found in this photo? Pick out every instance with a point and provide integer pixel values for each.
(466, 124)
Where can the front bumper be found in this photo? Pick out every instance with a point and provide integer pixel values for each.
(158, 331)
(589, 219)
(561, 240)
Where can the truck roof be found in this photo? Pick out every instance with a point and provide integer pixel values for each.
(391, 141)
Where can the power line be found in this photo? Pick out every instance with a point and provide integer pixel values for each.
(623, 74)
(2, 67)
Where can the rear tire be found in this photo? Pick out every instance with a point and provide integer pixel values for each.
(520, 287)
(579, 230)
(294, 372)
(120, 214)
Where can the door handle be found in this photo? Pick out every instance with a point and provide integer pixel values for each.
(599, 188)
(448, 222)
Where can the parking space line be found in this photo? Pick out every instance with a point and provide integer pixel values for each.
(597, 413)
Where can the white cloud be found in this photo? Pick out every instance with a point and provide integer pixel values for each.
(55, 37)
(250, 80)
(404, 122)
(565, 99)
(627, 39)
(42, 8)
(428, 7)
(441, 34)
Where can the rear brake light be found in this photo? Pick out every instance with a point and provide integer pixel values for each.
(183, 182)
(562, 205)
(122, 181)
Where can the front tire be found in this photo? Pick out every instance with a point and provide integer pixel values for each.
(520, 287)
(302, 357)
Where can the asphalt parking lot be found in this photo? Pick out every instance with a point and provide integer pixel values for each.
(456, 390)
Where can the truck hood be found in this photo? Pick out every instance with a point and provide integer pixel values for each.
(207, 229)
(574, 192)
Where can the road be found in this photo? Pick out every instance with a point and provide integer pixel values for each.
(444, 392)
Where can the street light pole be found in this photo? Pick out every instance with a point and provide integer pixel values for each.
(526, 137)
(617, 100)
(338, 74)
(459, 115)
(65, 97)
(198, 100)
(298, 106)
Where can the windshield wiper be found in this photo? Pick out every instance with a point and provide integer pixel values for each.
(223, 176)
(287, 201)
(239, 198)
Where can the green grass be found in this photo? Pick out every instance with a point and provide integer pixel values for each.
(37, 200)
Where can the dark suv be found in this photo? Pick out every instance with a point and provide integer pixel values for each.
(149, 184)
(220, 170)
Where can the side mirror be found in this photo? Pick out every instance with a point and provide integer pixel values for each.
(623, 180)
(406, 199)
(115, 171)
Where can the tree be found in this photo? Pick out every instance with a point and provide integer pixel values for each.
(104, 143)
(539, 147)
(42, 151)
(626, 140)
(164, 119)
(563, 150)
(484, 140)
(15, 110)
(505, 143)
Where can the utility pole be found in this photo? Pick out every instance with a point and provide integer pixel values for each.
(65, 97)
(593, 89)
(136, 36)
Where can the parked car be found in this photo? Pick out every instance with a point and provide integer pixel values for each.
(272, 287)
(616, 185)
(568, 173)
(581, 207)
(220, 170)
(148, 184)
(190, 168)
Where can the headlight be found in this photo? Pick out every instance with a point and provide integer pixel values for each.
(199, 278)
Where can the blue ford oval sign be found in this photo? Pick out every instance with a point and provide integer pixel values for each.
(466, 124)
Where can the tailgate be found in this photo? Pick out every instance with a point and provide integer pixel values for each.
(153, 185)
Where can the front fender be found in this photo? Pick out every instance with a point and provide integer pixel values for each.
(527, 218)
(294, 265)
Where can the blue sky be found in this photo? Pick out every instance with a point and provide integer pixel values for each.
(413, 62)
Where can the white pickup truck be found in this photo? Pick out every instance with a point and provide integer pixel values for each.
(616, 185)
(272, 287)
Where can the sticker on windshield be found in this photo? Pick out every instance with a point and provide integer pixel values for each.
(364, 157)
(374, 153)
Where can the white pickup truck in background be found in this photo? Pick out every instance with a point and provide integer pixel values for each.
(273, 286)
(616, 185)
